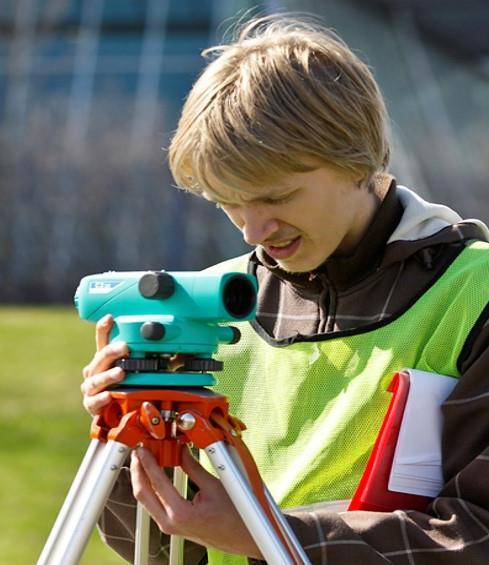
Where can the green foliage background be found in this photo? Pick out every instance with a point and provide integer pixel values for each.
(43, 426)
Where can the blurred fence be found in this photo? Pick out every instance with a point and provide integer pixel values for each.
(90, 92)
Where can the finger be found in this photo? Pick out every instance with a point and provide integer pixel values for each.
(144, 493)
(141, 484)
(200, 476)
(95, 404)
(102, 331)
(161, 484)
(106, 357)
(99, 382)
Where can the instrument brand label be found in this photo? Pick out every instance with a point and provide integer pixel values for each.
(103, 286)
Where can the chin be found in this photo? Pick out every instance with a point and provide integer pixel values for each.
(298, 267)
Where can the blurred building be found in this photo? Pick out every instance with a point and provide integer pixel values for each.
(90, 92)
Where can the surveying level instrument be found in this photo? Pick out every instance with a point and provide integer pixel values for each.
(172, 324)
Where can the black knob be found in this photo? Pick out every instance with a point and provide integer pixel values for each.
(152, 330)
(236, 335)
(157, 284)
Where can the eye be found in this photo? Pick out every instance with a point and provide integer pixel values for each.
(279, 200)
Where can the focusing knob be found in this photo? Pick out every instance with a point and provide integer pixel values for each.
(152, 330)
(157, 284)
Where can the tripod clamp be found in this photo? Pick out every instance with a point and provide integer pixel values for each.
(163, 420)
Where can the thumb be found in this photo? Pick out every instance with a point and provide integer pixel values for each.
(200, 476)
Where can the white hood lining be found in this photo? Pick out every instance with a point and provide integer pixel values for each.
(422, 219)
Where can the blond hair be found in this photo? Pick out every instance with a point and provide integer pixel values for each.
(285, 92)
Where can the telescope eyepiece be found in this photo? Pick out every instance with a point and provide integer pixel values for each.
(239, 296)
(156, 284)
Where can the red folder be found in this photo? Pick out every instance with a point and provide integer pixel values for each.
(372, 492)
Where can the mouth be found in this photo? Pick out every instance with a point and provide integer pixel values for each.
(283, 249)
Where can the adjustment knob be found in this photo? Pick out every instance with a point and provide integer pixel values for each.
(158, 284)
(152, 330)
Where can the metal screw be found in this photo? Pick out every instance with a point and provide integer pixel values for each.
(211, 450)
(221, 467)
(155, 421)
(167, 414)
(186, 421)
(122, 449)
(113, 467)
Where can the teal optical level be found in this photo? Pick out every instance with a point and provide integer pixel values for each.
(172, 322)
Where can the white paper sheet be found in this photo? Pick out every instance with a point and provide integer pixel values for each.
(417, 465)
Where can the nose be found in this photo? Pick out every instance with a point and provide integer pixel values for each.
(256, 224)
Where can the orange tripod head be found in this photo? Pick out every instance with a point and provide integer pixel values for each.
(165, 420)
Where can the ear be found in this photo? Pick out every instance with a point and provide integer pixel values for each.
(360, 181)
(363, 181)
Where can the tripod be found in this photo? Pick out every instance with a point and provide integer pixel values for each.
(164, 420)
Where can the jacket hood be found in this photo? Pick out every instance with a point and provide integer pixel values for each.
(422, 219)
(425, 226)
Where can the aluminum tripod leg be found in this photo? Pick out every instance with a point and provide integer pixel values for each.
(287, 531)
(142, 528)
(229, 469)
(141, 536)
(76, 485)
(177, 542)
(84, 503)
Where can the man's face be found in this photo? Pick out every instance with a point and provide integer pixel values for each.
(303, 219)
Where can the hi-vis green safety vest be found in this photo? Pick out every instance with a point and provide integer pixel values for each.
(313, 409)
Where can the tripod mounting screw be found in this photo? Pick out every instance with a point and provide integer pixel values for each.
(186, 421)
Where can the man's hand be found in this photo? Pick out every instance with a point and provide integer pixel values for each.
(100, 372)
(210, 519)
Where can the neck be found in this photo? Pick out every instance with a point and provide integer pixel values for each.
(368, 204)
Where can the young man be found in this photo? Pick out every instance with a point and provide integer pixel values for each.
(358, 278)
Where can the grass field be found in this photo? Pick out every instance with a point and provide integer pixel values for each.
(43, 427)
